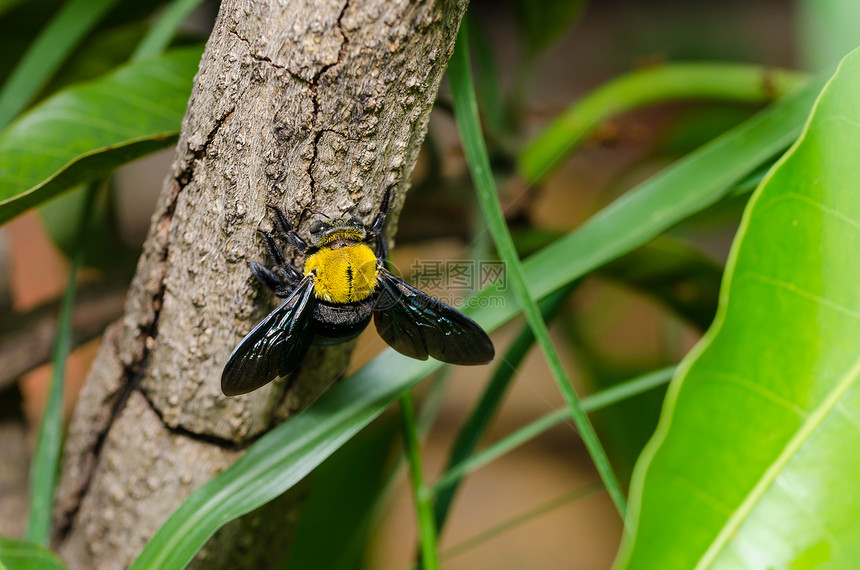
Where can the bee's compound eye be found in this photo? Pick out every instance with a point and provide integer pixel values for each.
(316, 226)
(356, 222)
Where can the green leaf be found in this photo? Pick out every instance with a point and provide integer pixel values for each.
(105, 249)
(347, 483)
(292, 450)
(90, 129)
(661, 84)
(6, 5)
(21, 22)
(59, 37)
(827, 31)
(488, 82)
(483, 413)
(421, 496)
(754, 464)
(22, 555)
(542, 22)
(677, 275)
(162, 32)
(98, 55)
(46, 459)
(620, 393)
(466, 113)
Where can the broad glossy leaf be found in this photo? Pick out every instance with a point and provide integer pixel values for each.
(754, 464)
(292, 450)
(89, 129)
(22, 555)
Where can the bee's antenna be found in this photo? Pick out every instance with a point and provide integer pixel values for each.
(320, 214)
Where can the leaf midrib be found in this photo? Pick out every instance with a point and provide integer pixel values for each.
(813, 422)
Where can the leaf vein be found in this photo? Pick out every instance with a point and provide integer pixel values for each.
(792, 288)
(761, 391)
(826, 209)
(827, 405)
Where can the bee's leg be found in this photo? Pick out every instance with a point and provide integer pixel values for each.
(285, 229)
(288, 270)
(281, 223)
(381, 247)
(297, 242)
(278, 285)
(275, 251)
(378, 223)
(292, 273)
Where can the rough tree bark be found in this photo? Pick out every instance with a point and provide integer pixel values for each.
(307, 104)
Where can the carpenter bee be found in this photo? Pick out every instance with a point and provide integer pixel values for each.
(344, 283)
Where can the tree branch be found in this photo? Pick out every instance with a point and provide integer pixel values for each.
(309, 105)
(26, 338)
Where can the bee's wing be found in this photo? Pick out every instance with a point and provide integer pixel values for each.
(275, 347)
(417, 325)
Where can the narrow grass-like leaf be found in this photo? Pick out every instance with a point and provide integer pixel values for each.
(772, 392)
(542, 23)
(628, 389)
(62, 33)
(350, 483)
(89, 129)
(500, 448)
(161, 33)
(43, 471)
(479, 419)
(596, 401)
(6, 5)
(420, 494)
(521, 519)
(487, 80)
(22, 555)
(466, 112)
(670, 82)
(690, 185)
(99, 54)
(289, 452)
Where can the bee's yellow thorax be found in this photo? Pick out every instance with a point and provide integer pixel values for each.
(343, 275)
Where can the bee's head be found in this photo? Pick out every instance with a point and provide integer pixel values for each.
(326, 232)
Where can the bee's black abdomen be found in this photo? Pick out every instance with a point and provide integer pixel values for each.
(337, 323)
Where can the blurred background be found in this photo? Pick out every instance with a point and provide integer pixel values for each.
(540, 506)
